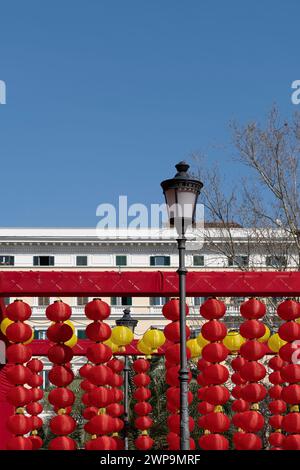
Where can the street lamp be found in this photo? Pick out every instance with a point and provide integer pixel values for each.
(181, 194)
(130, 323)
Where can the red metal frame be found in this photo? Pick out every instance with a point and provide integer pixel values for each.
(148, 283)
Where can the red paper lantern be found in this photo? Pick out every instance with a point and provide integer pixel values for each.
(237, 379)
(172, 332)
(202, 364)
(18, 332)
(141, 380)
(288, 310)
(213, 442)
(237, 391)
(36, 422)
(276, 439)
(19, 443)
(171, 310)
(116, 365)
(142, 394)
(275, 378)
(289, 331)
(246, 441)
(250, 421)
(35, 380)
(18, 353)
(238, 362)
(291, 373)
(97, 310)
(252, 309)
(101, 443)
(252, 350)
(212, 309)
(61, 397)
(98, 331)
(275, 392)
(34, 408)
(143, 442)
(18, 374)
(58, 311)
(240, 405)
(217, 395)
(204, 407)
(100, 375)
(276, 421)
(84, 370)
(36, 442)
(87, 386)
(291, 394)
(35, 365)
(143, 422)
(89, 412)
(115, 409)
(174, 423)
(292, 442)
(142, 408)
(100, 425)
(18, 424)
(276, 363)
(216, 422)
(172, 354)
(214, 352)
(253, 392)
(291, 423)
(101, 397)
(173, 441)
(252, 329)
(60, 354)
(62, 443)
(253, 371)
(59, 333)
(290, 352)
(98, 353)
(173, 396)
(62, 425)
(141, 365)
(18, 311)
(216, 374)
(214, 330)
(116, 380)
(18, 396)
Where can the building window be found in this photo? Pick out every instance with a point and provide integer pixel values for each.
(40, 334)
(115, 301)
(43, 261)
(121, 260)
(81, 260)
(199, 300)
(159, 260)
(43, 301)
(238, 261)
(7, 260)
(46, 382)
(81, 334)
(198, 260)
(82, 300)
(277, 262)
(158, 301)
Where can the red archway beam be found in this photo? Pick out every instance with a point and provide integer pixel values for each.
(151, 283)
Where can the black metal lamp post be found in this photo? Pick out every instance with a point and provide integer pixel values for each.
(181, 194)
(131, 323)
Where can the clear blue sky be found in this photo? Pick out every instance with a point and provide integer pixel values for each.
(103, 97)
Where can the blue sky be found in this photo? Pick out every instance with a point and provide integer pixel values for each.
(103, 97)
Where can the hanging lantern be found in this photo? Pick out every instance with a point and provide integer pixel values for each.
(172, 332)
(97, 310)
(212, 309)
(264, 338)
(233, 341)
(171, 310)
(213, 330)
(121, 335)
(154, 339)
(194, 348)
(275, 342)
(141, 347)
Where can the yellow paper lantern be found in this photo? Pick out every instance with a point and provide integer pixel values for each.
(143, 348)
(275, 342)
(30, 339)
(111, 345)
(154, 339)
(72, 341)
(266, 335)
(193, 346)
(233, 341)
(4, 324)
(201, 341)
(121, 335)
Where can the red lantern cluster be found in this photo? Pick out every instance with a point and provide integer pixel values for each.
(34, 408)
(171, 311)
(212, 377)
(98, 376)
(289, 310)
(277, 406)
(142, 408)
(248, 390)
(18, 354)
(116, 408)
(61, 375)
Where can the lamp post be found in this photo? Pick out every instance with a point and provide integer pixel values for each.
(181, 194)
(131, 323)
